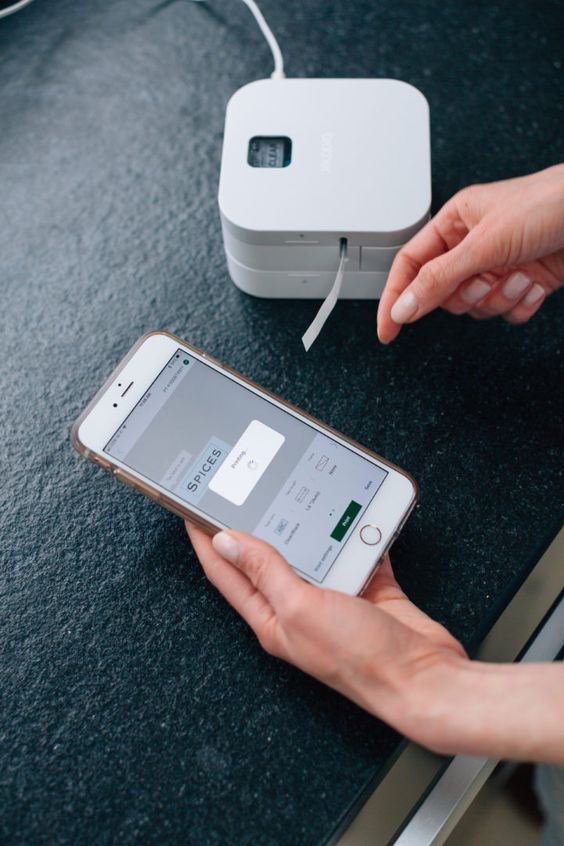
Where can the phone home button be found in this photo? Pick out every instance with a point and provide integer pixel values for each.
(370, 534)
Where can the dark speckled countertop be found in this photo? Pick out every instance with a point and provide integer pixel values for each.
(136, 706)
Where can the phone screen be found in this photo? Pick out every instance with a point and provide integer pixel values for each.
(247, 463)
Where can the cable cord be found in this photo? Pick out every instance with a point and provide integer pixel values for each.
(14, 8)
(278, 72)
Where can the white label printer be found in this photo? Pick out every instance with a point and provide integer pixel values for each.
(309, 162)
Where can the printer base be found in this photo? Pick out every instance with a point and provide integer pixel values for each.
(306, 285)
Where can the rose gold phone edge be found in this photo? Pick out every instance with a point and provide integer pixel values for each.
(185, 513)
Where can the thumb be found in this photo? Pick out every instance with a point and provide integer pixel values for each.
(265, 568)
(440, 277)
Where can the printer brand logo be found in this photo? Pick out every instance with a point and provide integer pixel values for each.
(326, 159)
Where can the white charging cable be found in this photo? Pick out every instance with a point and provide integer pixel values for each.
(15, 8)
(278, 72)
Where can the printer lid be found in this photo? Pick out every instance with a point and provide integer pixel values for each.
(321, 158)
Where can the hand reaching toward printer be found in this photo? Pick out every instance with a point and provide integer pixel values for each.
(493, 249)
(389, 657)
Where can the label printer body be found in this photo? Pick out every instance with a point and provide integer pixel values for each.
(309, 162)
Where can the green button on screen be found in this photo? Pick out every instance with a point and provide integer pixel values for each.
(346, 520)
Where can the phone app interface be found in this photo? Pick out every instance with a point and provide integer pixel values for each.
(246, 463)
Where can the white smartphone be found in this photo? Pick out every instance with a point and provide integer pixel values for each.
(222, 452)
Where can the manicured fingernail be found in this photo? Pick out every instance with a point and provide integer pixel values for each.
(404, 308)
(475, 291)
(516, 285)
(227, 546)
(534, 295)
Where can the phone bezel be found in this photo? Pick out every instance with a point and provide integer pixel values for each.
(356, 563)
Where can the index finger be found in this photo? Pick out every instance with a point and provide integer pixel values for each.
(229, 580)
(426, 245)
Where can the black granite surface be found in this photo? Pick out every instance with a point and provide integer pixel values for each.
(136, 707)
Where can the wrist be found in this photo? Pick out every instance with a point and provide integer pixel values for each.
(415, 695)
(426, 699)
(512, 711)
(431, 701)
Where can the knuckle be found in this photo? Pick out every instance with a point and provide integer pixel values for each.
(431, 280)
(293, 608)
(269, 638)
(466, 197)
(403, 266)
(404, 257)
(268, 642)
(257, 567)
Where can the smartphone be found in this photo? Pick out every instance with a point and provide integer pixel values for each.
(222, 452)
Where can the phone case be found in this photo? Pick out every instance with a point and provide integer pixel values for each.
(185, 512)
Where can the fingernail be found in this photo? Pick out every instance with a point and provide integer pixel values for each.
(475, 291)
(534, 295)
(516, 285)
(227, 546)
(404, 308)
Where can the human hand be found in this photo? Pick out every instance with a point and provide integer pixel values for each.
(493, 249)
(371, 648)
(388, 656)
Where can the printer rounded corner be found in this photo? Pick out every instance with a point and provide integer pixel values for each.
(401, 83)
(243, 91)
(229, 220)
(424, 213)
(418, 218)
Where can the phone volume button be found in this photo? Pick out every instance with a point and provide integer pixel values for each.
(98, 460)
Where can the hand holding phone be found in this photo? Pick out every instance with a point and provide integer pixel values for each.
(389, 657)
(221, 452)
(379, 650)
